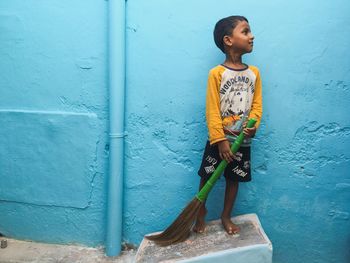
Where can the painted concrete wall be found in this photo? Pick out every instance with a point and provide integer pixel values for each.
(53, 119)
(53, 108)
(301, 182)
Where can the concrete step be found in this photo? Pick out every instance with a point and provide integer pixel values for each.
(251, 245)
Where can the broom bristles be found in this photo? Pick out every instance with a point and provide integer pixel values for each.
(180, 229)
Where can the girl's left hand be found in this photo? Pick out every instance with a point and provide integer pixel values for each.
(249, 132)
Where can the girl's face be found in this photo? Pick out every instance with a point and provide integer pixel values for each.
(241, 39)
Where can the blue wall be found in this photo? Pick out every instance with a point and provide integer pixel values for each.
(53, 119)
(54, 103)
(301, 183)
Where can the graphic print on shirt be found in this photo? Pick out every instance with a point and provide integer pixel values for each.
(236, 96)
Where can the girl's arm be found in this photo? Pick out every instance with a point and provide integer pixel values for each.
(257, 108)
(213, 115)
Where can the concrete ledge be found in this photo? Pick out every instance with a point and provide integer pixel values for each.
(251, 245)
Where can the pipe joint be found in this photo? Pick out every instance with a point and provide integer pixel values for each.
(118, 135)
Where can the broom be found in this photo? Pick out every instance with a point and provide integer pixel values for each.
(180, 229)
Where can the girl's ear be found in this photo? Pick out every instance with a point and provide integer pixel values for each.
(227, 41)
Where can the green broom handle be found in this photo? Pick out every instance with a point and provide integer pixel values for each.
(203, 193)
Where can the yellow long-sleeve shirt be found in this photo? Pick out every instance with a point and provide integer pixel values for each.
(232, 96)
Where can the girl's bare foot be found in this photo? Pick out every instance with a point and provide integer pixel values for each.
(230, 227)
(199, 226)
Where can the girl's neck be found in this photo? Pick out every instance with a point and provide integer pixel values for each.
(234, 61)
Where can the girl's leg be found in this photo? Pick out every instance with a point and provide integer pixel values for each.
(199, 226)
(230, 197)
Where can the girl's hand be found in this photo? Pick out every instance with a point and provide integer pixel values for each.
(248, 132)
(225, 151)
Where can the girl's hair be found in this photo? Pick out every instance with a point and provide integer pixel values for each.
(225, 27)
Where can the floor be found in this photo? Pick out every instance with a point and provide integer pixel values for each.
(214, 245)
(24, 252)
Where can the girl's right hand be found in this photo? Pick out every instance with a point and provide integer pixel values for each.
(225, 151)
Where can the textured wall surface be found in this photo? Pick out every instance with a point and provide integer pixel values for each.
(54, 98)
(301, 182)
(53, 119)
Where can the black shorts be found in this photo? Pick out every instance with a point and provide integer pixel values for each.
(238, 170)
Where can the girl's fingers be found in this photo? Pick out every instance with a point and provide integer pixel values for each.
(229, 157)
(225, 156)
(249, 132)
